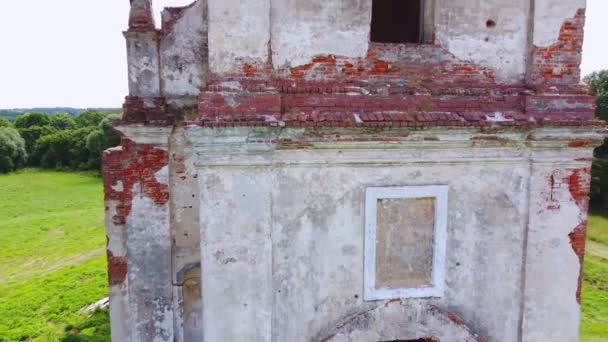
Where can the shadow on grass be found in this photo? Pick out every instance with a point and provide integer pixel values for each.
(96, 328)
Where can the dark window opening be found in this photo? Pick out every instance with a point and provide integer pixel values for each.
(397, 21)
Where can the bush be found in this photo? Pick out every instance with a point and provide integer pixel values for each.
(60, 141)
(90, 118)
(65, 149)
(62, 122)
(110, 137)
(5, 123)
(12, 150)
(32, 119)
(599, 186)
(598, 84)
(31, 135)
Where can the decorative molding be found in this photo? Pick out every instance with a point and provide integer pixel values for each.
(145, 134)
(267, 146)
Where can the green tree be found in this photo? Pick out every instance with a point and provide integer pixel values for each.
(90, 118)
(32, 134)
(111, 137)
(32, 119)
(101, 139)
(66, 149)
(598, 84)
(12, 149)
(4, 122)
(62, 121)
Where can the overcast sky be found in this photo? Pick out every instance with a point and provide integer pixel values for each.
(72, 53)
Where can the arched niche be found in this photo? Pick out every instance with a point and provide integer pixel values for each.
(400, 321)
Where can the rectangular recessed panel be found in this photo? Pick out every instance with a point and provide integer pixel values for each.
(404, 242)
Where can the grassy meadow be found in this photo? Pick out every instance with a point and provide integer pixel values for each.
(52, 257)
(52, 261)
(595, 287)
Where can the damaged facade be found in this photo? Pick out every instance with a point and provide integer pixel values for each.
(294, 170)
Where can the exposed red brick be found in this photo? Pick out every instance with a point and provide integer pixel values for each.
(437, 67)
(578, 237)
(141, 18)
(559, 64)
(455, 319)
(149, 110)
(581, 143)
(250, 70)
(133, 164)
(349, 104)
(579, 184)
(117, 269)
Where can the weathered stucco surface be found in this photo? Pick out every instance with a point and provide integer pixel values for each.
(404, 242)
(549, 16)
(143, 61)
(183, 50)
(554, 215)
(462, 28)
(304, 29)
(298, 254)
(239, 33)
(301, 30)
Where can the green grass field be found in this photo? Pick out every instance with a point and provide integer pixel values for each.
(52, 257)
(595, 288)
(52, 261)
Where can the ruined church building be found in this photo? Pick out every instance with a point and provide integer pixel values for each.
(351, 170)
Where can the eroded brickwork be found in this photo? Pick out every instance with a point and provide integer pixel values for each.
(559, 64)
(133, 165)
(117, 269)
(352, 104)
(579, 186)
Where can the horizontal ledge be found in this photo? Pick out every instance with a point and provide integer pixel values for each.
(383, 158)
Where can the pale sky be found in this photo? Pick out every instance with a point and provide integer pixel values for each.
(72, 53)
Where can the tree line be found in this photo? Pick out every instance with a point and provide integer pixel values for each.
(12, 114)
(598, 83)
(58, 141)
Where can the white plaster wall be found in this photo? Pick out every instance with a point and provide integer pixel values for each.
(318, 243)
(118, 294)
(461, 28)
(549, 16)
(185, 236)
(289, 239)
(143, 62)
(552, 312)
(236, 253)
(183, 52)
(400, 320)
(298, 30)
(149, 275)
(302, 29)
(239, 32)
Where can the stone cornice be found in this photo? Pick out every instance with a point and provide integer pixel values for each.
(145, 134)
(289, 146)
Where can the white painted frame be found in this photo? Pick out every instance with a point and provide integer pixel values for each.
(440, 194)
